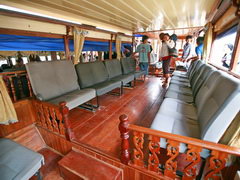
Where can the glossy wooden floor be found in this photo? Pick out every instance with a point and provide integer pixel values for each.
(100, 129)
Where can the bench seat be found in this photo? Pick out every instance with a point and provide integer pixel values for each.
(105, 87)
(57, 81)
(95, 75)
(115, 73)
(204, 110)
(75, 98)
(18, 162)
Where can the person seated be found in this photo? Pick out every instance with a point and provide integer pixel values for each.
(226, 59)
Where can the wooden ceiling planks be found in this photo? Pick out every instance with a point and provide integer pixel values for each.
(135, 15)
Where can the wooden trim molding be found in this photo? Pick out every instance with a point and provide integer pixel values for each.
(236, 50)
(29, 33)
(227, 71)
(54, 21)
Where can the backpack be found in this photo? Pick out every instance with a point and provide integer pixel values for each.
(173, 51)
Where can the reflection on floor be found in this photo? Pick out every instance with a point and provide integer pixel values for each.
(100, 129)
(50, 169)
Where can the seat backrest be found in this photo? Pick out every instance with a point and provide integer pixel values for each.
(192, 67)
(195, 69)
(91, 73)
(220, 105)
(203, 74)
(52, 79)
(127, 65)
(113, 67)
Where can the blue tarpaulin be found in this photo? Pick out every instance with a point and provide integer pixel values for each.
(32, 43)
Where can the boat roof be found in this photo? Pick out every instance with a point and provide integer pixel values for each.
(124, 16)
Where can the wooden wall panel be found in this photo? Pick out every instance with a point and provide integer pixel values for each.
(25, 116)
(28, 137)
(56, 142)
(129, 172)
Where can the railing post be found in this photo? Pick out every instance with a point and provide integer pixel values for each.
(124, 131)
(65, 111)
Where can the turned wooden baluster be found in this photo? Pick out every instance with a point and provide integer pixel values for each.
(8, 85)
(47, 118)
(65, 111)
(137, 152)
(171, 163)
(29, 86)
(124, 134)
(154, 148)
(53, 119)
(193, 155)
(60, 123)
(42, 117)
(38, 113)
(13, 89)
(217, 162)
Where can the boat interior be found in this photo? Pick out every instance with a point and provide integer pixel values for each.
(76, 102)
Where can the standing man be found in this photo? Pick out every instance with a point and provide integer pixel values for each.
(187, 48)
(144, 54)
(165, 57)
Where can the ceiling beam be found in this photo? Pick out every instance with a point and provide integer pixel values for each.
(54, 21)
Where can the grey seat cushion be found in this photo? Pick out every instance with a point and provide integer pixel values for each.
(176, 125)
(113, 67)
(218, 107)
(180, 96)
(138, 74)
(52, 79)
(128, 65)
(107, 86)
(124, 78)
(18, 162)
(92, 73)
(75, 98)
(180, 89)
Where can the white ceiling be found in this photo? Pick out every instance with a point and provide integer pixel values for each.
(123, 15)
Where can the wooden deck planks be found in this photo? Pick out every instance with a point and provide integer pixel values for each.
(100, 129)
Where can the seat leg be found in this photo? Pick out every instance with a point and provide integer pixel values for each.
(38, 174)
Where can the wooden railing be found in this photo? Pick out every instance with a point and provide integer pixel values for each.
(18, 85)
(53, 118)
(145, 153)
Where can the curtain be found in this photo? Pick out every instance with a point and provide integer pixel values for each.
(118, 47)
(7, 110)
(207, 42)
(78, 37)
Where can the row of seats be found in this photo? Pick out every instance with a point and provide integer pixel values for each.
(57, 81)
(200, 103)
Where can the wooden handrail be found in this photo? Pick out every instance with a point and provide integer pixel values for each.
(54, 118)
(147, 153)
(187, 140)
(12, 72)
(15, 85)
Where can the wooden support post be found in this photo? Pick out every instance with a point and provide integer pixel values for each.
(68, 130)
(110, 47)
(29, 86)
(53, 55)
(124, 131)
(66, 47)
(13, 89)
(133, 42)
(236, 50)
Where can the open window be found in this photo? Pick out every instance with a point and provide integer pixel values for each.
(223, 47)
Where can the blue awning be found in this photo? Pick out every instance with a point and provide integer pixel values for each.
(30, 43)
